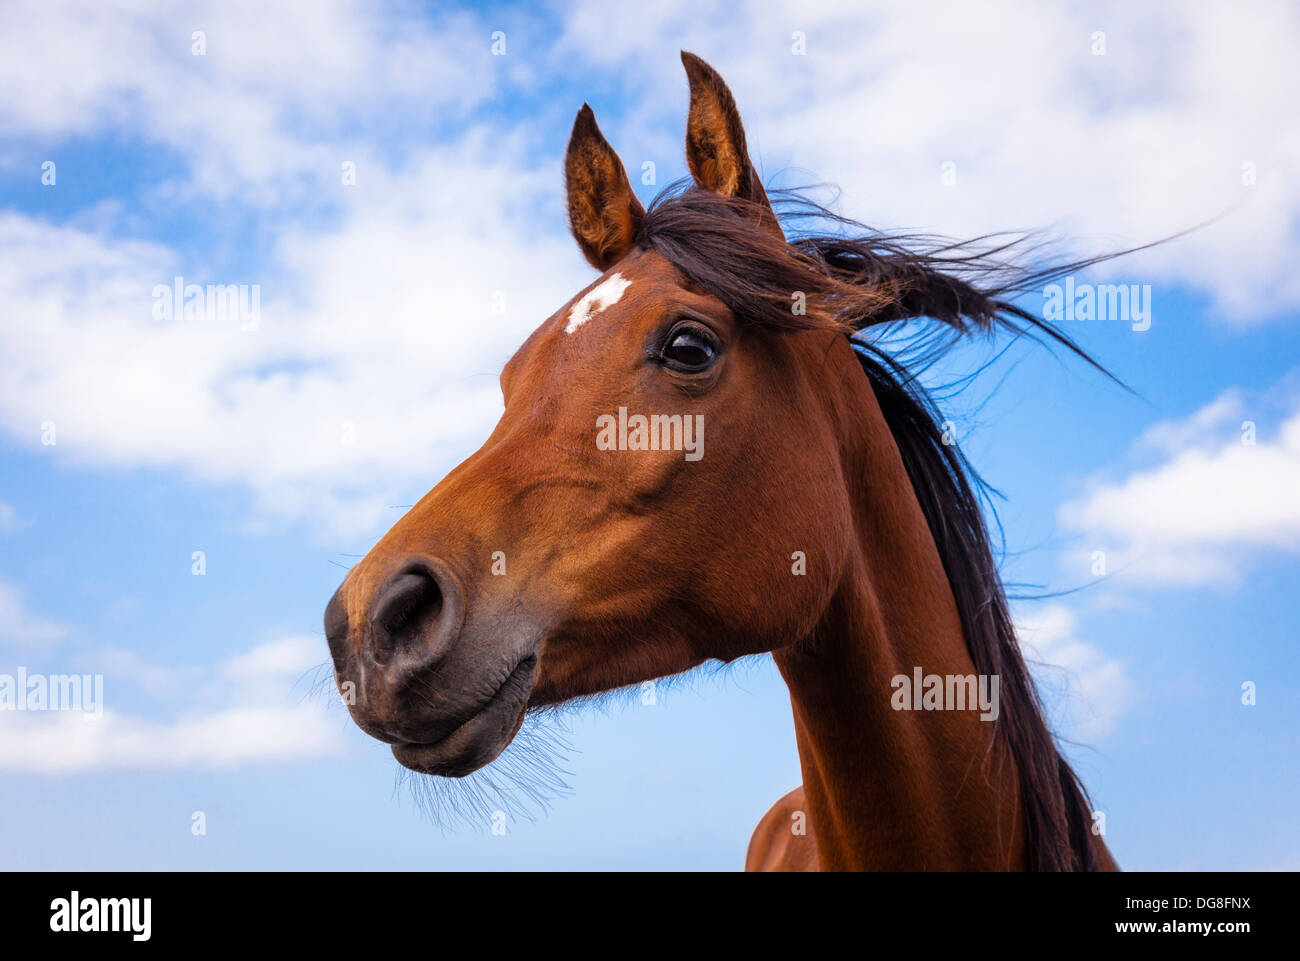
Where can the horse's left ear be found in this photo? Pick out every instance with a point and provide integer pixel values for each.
(715, 139)
(604, 213)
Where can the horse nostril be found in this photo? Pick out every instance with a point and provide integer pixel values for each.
(415, 618)
(408, 604)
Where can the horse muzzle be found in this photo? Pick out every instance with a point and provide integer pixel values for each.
(413, 677)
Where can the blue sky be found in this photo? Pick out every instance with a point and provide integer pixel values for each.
(388, 306)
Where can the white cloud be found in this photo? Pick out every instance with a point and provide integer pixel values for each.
(64, 743)
(372, 372)
(1087, 690)
(286, 657)
(264, 106)
(21, 628)
(9, 519)
(1208, 508)
(255, 711)
(1211, 421)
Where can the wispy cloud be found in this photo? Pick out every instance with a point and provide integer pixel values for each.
(1086, 690)
(254, 709)
(257, 105)
(1222, 493)
(1118, 122)
(20, 627)
(372, 370)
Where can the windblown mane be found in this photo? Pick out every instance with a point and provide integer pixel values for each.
(858, 280)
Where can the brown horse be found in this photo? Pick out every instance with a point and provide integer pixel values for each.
(594, 541)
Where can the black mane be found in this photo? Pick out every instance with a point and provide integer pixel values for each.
(860, 279)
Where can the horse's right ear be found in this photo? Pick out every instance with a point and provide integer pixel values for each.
(715, 142)
(604, 213)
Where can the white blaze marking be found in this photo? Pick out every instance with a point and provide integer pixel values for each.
(595, 300)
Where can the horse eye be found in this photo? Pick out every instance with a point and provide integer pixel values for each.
(689, 351)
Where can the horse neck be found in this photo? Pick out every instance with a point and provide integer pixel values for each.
(894, 789)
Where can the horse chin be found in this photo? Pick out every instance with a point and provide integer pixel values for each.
(480, 740)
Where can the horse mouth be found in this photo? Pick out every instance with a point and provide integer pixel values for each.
(480, 739)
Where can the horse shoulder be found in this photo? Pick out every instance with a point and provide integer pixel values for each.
(783, 839)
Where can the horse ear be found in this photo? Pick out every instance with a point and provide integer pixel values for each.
(715, 138)
(604, 213)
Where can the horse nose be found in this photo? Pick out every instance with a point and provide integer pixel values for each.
(336, 625)
(415, 617)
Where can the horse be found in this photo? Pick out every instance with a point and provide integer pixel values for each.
(827, 522)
